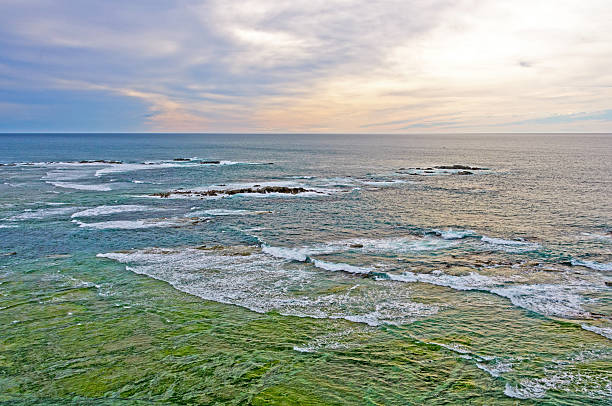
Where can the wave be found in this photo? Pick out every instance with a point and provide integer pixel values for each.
(597, 266)
(246, 277)
(524, 391)
(451, 234)
(43, 213)
(333, 266)
(227, 212)
(602, 331)
(391, 182)
(495, 369)
(79, 186)
(509, 245)
(138, 224)
(545, 299)
(565, 376)
(105, 210)
(398, 245)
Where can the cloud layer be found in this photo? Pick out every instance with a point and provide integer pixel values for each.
(306, 66)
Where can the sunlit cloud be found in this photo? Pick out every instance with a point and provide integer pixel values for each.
(317, 66)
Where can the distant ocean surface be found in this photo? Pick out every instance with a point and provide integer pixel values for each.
(306, 269)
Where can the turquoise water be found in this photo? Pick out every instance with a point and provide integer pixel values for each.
(305, 269)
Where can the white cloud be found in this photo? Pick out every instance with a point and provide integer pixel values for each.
(335, 65)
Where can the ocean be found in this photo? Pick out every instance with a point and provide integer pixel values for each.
(305, 269)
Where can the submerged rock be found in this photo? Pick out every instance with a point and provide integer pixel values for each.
(181, 159)
(465, 173)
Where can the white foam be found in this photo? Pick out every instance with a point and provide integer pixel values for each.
(79, 186)
(122, 168)
(597, 266)
(43, 213)
(546, 299)
(563, 376)
(603, 331)
(263, 283)
(450, 234)
(292, 254)
(332, 266)
(397, 245)
(226, 212)
(104, 210)
(509, 245)
(524, 392)
(473, 281)
(383, 182)
(134, 224)
(495, 369)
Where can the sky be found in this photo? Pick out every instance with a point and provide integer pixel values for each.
(306, 66)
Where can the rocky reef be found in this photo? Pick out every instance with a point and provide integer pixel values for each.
(230, 192)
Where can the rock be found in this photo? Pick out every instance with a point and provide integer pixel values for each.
(566, 263)
(231, 192)
(356, 245)
(100, 161)
(210, 162)
(181, 159)
(608, 283)
(8, 254)
(465, 173)
(472, 168)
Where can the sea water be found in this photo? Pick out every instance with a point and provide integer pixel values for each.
(318, 269)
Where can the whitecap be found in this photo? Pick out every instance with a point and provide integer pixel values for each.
(545, 299)
(135, 224)
(292, 254)
(603, 331)
(226, 212)
(249, 278)
(122, 168)
(396, 245)
(597, 266)
(333, 266)
(509, 245)
(43, 213)
(495, 369)
(524, 391)
(105, 210)
(451, 234)
(79, 186)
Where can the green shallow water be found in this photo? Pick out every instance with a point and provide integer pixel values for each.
(139, 339)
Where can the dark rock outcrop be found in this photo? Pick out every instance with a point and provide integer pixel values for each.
(100, 161)
(465, 167)
(230, 192)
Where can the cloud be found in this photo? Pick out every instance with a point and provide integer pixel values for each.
(333, 66)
